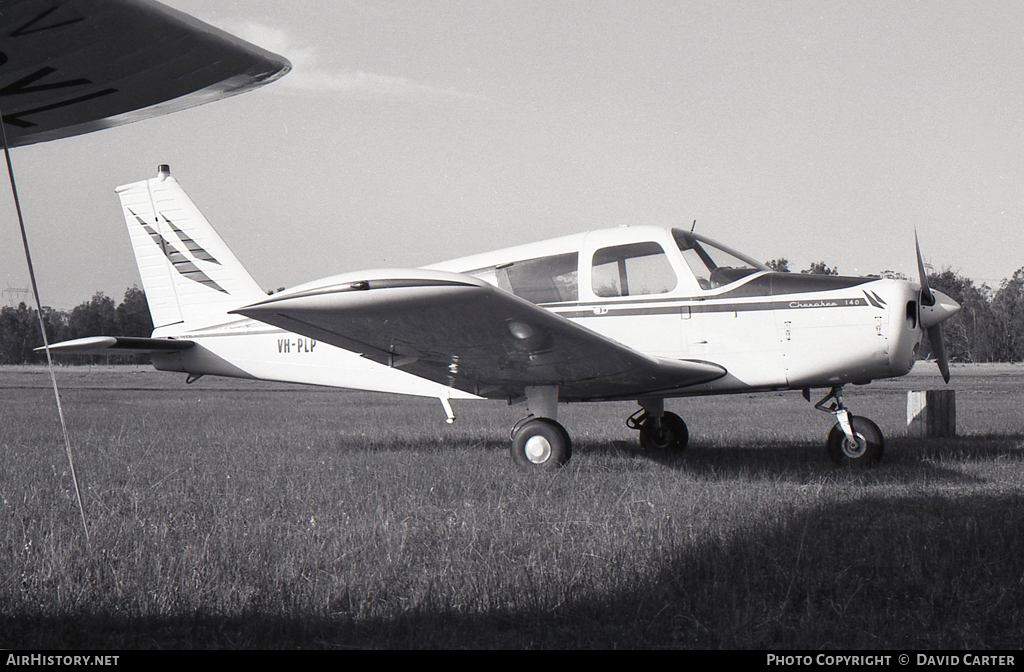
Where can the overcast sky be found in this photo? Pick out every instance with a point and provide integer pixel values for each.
(410, 132)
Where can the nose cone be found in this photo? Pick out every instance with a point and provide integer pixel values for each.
(941, 310)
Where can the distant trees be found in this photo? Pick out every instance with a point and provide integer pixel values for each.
(100, 316)
(1008, 309)
(781, 265)
(96, 317)
(971, 334)
(990, 324)
(132, 316)
(19, 333)
(819, 268)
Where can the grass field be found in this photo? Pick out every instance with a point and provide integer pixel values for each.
(239, 514)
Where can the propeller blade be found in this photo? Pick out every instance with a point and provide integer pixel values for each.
(927, 298)
(936, 308)
(939, 350)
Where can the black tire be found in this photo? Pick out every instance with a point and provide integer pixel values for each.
(868, 448)
(541, 443)
(670, 434)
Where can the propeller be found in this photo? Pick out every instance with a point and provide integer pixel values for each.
(936, 308)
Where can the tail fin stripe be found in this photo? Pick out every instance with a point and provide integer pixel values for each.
(182, 264)
(195, 248)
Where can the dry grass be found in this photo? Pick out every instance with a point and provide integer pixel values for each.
(236, 514)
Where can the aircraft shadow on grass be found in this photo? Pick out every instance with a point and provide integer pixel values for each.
(927, 571)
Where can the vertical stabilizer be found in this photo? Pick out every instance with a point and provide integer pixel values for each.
(189, 275)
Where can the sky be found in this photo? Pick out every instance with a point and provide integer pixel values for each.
(410, 132)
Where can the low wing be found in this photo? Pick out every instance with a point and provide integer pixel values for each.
(73, 66)
(462, 332)
(118, 345)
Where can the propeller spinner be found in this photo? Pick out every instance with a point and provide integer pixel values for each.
(936, 308)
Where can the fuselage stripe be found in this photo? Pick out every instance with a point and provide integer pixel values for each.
(604, 310)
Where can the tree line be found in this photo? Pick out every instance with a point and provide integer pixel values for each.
(99, 316)
(988, 328)
(990, 324)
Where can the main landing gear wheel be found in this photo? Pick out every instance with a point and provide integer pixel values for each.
(666, 433)
(867, 448)
(541, 442)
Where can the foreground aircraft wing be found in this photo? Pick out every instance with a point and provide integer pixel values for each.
(459, 331)
(118, 345)
(73, 66)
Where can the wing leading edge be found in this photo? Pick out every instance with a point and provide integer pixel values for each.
(74, 66)
(459, 331)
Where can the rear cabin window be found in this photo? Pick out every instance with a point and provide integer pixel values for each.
(632, 270)
(544, 280)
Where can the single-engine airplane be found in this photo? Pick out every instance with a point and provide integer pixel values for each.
(637, 313)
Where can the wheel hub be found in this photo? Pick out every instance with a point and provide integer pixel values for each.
(856, 448)
(661, 437)
(537, 449)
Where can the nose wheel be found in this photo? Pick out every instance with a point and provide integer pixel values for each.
(865, 447)
(854, 439)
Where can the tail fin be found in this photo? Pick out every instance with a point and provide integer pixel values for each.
(189, 274)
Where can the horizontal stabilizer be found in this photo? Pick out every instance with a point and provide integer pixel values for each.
(118, 345)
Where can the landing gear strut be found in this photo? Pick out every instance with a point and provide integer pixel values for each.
(659, 429)
(854, 439)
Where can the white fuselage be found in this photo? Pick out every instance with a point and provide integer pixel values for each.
(768, 330)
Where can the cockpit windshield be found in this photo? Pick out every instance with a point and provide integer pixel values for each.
(713, 265)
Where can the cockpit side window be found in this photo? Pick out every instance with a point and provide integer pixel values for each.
(543, 280)
(711, 265)
(632, 270)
